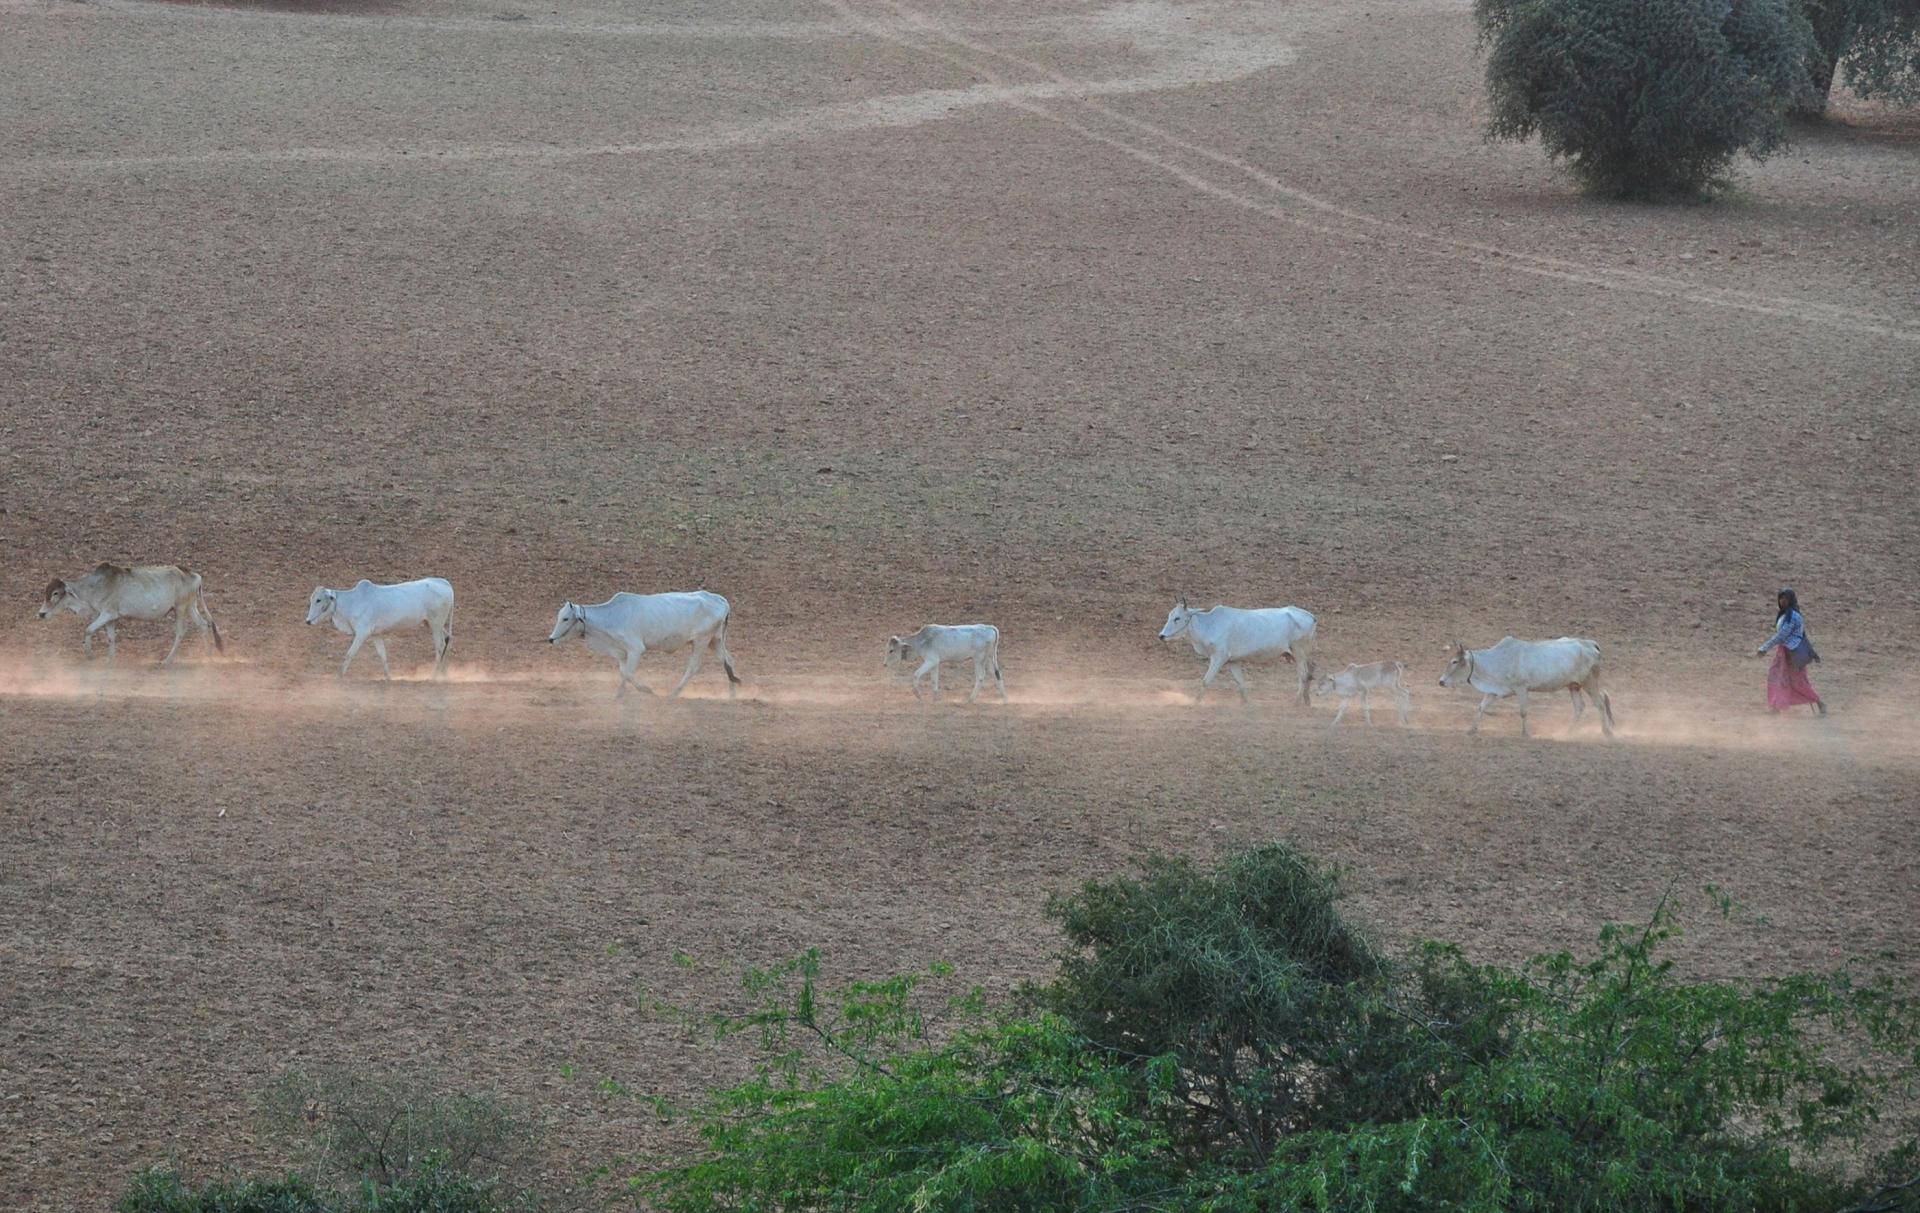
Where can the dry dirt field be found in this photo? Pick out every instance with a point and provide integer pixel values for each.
(866, 313)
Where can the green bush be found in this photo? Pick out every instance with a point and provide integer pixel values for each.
(1246, 976)
(161, 1191)
(1640, 98)
(392, 1129)
(1221, 1040)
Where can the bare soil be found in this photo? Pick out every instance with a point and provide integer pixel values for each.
(866, 314)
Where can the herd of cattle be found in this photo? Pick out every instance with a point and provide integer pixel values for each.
(627, 626)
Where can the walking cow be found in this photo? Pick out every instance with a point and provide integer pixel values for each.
(1229, 637)
(371, 612)
(628, 625)
(148, 592)
(1515, 667)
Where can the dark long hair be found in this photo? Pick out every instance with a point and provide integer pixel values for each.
(1792, 607)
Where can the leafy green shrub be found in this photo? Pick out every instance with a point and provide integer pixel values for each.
(1645, 97)
(390, 1130)
(1608, 1084)
(1221, 1041)
(856, 1107)
(1246, 976)
(161, 1191)
(431, 1191)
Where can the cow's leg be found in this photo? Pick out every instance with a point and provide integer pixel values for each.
(1404, 703)
(1346, 701)
(103, 620)
(1366, 706)
(1520, 700)
(726, 658)
(929, 665)
(1302, 655)
(180, 617)
(693, 666)
(998, 680)
(979, 677)
(936, 682)
(1579, 701)
(1602, 702)
(353, 650)
(1486, 701)
(380, 651)
(113, 641)
(1239, 680)
(628, 665)
(1213, 671)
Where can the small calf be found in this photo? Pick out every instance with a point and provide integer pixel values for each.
(934, 644)
(1388, 676)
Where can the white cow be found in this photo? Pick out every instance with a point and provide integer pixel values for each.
(148, 592)
(1515, 667)
(1229, 637)
(935, 643)
(371, 612)
(628, 625)
(1388, 676)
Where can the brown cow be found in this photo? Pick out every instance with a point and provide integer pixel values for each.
(147, 592)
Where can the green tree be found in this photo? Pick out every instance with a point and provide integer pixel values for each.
(1641, 98)
(1877, 42)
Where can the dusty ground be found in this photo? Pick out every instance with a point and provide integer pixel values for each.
(865, 314)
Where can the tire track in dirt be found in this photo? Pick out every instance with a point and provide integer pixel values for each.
(1263, 193)
(1354, 225)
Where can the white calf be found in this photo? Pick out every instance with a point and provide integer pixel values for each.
(628, 625)
(1388, 676)
(934, 644)
(370, 612)
(147, 592)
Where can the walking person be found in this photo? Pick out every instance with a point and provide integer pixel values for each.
(1787, 682)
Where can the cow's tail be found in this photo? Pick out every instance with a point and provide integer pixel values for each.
(1599, 692)
(198, 605)
(720, 646)
(1305, 661)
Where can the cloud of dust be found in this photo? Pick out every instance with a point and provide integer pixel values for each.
(1870, 726)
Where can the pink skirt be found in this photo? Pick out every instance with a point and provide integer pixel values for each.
(1787, 686)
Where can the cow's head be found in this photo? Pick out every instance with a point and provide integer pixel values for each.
(320, 605)
(572, 621)
(1324, 686)
(1179, 619)
(896, 651)
(1460, 669)
(57, 596)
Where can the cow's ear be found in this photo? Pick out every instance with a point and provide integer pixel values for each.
(1183, 604)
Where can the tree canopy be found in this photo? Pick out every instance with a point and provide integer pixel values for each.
(1641, 98)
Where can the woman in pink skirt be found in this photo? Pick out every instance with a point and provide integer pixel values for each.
(1787, 682)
